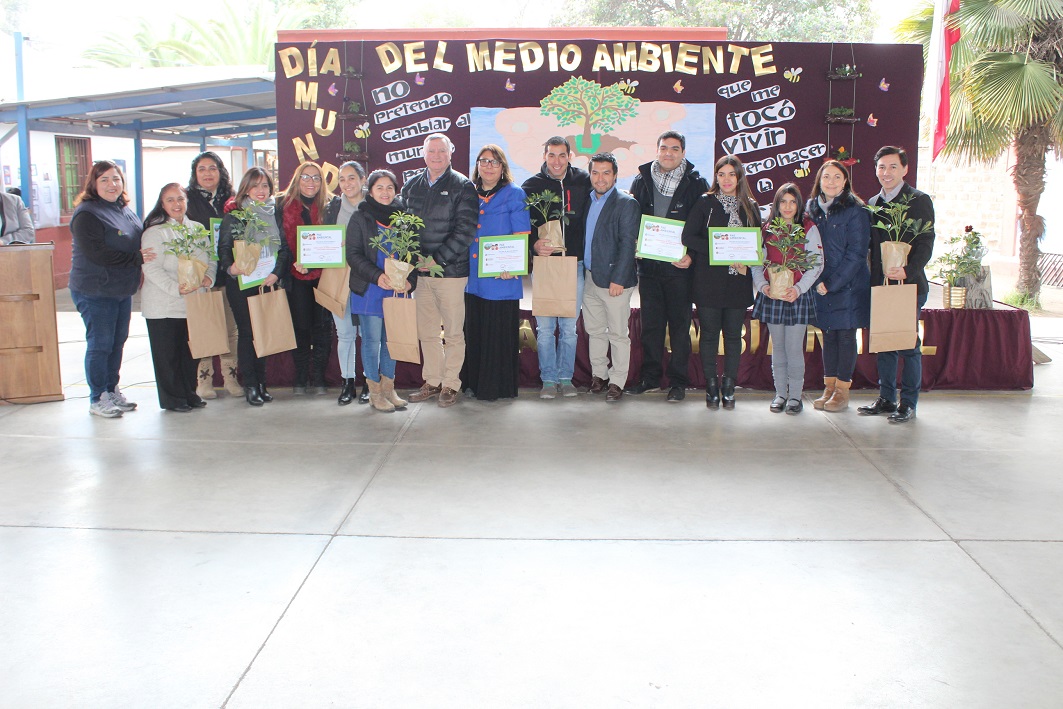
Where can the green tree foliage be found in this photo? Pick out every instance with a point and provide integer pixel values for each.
(1007, 89)
(745, 20)
(589, 104)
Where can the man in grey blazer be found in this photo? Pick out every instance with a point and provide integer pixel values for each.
(612, 226)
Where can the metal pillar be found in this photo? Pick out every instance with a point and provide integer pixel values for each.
(25, 179)
(138, 167)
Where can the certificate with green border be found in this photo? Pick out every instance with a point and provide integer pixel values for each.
(265, 266)
(661, 239)
(499, 254)
(736, 244)
(215, 234)
(321, 246)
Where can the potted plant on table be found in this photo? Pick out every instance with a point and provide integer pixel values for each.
(893, 219)
(790, 240)
(963, 259)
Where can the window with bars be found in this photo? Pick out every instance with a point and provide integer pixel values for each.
(74, 159)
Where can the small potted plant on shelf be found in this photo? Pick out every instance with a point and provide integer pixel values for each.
(893, 219)
(189, 243)
(841, 114)
(401, 244)
(845, 72)
(962, 259)
(543, 203)
(790, 240)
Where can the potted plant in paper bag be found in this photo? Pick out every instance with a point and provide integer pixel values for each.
(789, 240)
(189, 243)
(249, 235)
(400, 243)
(893, 219)
(552, 217)
(963, 259)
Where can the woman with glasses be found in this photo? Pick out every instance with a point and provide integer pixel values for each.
(303, 204)
(492, 303)
(104, 275)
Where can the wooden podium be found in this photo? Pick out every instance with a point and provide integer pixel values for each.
(29, 342)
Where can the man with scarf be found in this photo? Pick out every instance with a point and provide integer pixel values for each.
(209, 188)
(666, 188)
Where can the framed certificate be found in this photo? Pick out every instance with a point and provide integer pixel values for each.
(498, 254)
(660, 239)
(739, 244)
(215, 234)
(265, 266)
(321, 246)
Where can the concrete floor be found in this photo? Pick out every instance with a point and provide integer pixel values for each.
(532, 554)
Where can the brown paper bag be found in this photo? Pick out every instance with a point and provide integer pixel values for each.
(894, 254)
(400, 322)
(780, 280)
(208, 334)
(894, 317)
(190, 272)
(551, 233)
(333, 290)
(554, 286)
(397, 271)
(271, 322)
(246, 256)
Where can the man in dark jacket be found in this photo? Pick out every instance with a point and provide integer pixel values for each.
(557, 353)
(446, 200)
(666, 188)
(209, 188)
(891, 165)
(611, 230)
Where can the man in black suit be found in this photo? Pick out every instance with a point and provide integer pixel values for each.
(891, 165)
(612, 225)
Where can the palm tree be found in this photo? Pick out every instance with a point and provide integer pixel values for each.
(1007, 89)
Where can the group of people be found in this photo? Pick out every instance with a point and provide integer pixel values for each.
(477, 354)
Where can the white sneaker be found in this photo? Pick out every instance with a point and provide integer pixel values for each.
(567, 389)
(119, 400)
(105, 408)
(549, 390)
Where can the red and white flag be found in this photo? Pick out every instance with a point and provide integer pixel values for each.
(936, 96)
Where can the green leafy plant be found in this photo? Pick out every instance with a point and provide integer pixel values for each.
(840, 112)
(189, 241)
(846, 71)
(790, 240)
(893, 219)
(542, 203)
(963, 257)
(249, 226)
(401, 241)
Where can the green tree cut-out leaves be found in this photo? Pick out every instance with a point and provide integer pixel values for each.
(589, 103)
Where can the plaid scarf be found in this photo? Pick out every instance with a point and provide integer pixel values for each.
(667, 182)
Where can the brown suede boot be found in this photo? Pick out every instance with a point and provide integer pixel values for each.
(205, 380)
(228, 374)
(377, 399)
(828, 392)
(839, 401)
(387, 388)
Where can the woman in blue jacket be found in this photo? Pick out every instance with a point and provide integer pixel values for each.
(492, 304)
(843, 291)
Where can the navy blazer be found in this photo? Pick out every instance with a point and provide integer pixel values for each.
(616, 236)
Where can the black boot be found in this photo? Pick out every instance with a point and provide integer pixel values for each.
(363, 398)
(266, 396)
(712, 392)
(347, 394)
(252, 396)
(728, 387)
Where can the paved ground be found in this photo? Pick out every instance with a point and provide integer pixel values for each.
(530, 554)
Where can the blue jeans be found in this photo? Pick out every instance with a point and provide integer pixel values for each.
(106, 330)
(375, 356)
(911, 375)
(557, 357)
(346, 337)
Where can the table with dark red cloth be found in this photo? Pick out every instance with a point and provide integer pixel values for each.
(962, 349)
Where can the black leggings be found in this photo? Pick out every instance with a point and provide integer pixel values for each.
(839, 354)
(712, 321)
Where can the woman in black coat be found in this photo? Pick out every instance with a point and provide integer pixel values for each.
(843, 291)
(721, 293)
